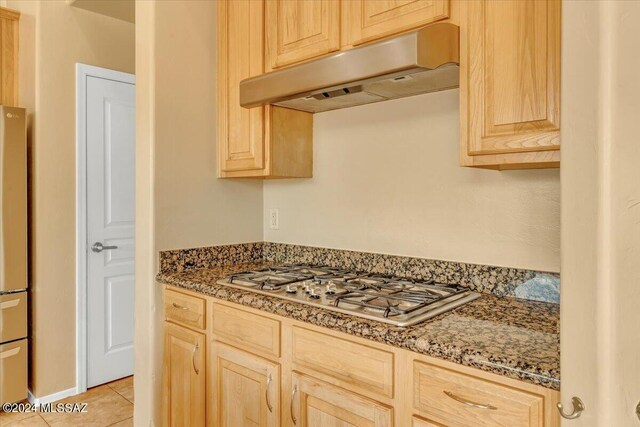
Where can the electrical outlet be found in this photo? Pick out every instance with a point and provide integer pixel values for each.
(274, 222)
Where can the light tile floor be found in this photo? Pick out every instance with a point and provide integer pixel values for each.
(107, 405)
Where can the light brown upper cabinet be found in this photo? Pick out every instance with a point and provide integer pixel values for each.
(261, 142)
(510, 83)
(368, 20)
(240, 130)
(509, 76)
(298, 30)
(9, 56)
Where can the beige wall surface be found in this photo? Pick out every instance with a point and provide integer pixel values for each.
(386, 179)
(63, 36)
(600, 350)
(148, 321)
(180, 201)
(622, 266)
(192, 207)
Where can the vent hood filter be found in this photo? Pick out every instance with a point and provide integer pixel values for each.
(422, 61)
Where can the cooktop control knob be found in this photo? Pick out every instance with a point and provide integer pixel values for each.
(314, 293)
(331, 288)
(292, 289)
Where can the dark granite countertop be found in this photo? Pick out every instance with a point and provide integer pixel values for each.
(515, 338)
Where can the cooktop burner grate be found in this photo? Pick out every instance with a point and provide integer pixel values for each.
(396, 300)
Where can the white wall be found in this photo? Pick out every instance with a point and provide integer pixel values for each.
(386, 179)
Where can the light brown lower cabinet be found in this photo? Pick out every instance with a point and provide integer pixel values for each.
(282, 372)
(318, 404)
(184, 377)
(457, 399)
(246, 388)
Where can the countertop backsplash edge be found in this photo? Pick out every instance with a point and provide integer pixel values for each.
(500, 281)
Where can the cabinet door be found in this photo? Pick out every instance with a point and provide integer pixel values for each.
(240, 56)
(367, 20)
(318, 404)
(301, 29)
(9, 56)
(510, 76)
(247, 388)
(184, 377)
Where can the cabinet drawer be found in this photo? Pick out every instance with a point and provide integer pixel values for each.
(13, 366)
(13, 316)
(246, 330)
(461, 400)
(184, 309)
(343, 362)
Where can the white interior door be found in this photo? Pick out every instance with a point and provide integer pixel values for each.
(110, 131)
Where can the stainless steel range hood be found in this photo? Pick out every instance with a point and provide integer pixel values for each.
(422, 61)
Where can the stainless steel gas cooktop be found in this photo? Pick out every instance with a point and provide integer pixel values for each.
(394, 300)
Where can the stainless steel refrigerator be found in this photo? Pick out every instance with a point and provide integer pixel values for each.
(13, 254)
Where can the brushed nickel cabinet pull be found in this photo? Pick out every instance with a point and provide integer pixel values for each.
(578, 407)
(193, 359)
(266, 394)
(469, 403)
(180, 307)
(293, 397)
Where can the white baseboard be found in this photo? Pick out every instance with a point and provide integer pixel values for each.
(52, 397)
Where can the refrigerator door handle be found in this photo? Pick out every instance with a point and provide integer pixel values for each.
(9, 353)
(9, 304)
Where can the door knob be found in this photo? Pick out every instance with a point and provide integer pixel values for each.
(99, 247)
